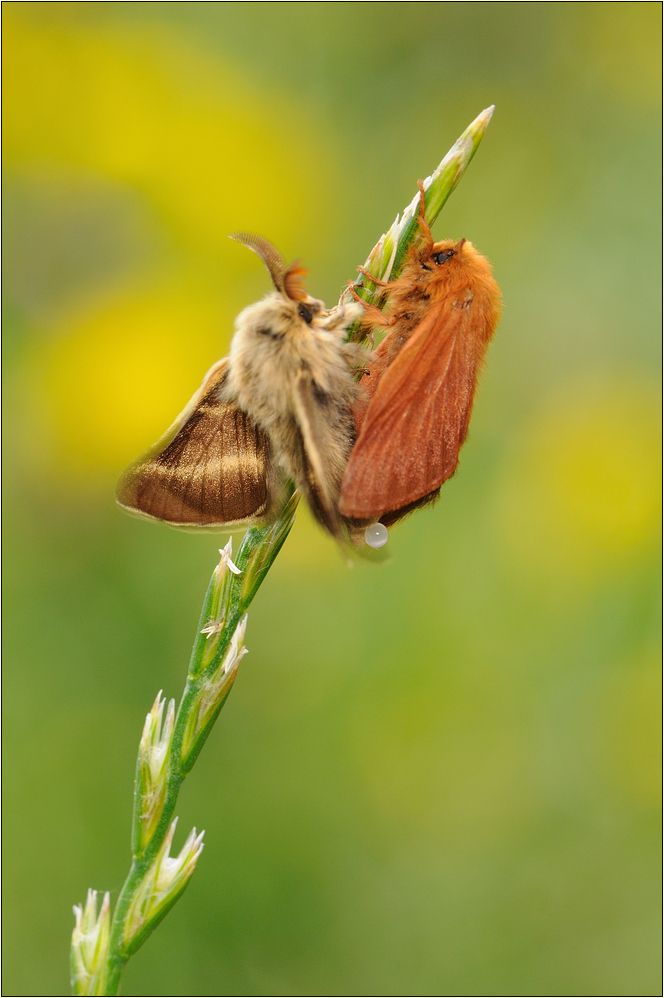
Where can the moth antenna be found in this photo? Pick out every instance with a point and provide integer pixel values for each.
(270, 256)
(420, 187)
(294, 286)
(420, 218)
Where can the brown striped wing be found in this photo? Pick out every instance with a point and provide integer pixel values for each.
(211, 469)
(417, 420)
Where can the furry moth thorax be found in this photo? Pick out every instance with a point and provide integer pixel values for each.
(276, 339)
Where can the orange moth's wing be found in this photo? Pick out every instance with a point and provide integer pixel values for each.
(418, 418)
(209, 470)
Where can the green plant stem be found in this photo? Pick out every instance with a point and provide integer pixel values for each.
(258, 549)
(229, 595)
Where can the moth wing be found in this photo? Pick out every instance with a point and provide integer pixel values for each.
(319, 490)
(210, 469)
(417, 420)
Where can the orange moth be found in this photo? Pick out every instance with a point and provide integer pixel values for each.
(442, 312)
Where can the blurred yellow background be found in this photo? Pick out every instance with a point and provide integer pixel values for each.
(436, 776)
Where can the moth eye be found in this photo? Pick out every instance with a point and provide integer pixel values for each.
(308, 310)
(442, 257)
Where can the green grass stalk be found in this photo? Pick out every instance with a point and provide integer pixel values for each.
(171, 743)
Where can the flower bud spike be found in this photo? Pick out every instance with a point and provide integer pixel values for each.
(90, 945)
(212, 692)
(219, 602)
(152, 772)
(161, 886)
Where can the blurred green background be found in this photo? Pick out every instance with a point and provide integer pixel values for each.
(438, 776)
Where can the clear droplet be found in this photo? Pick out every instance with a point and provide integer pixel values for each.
(376, 535)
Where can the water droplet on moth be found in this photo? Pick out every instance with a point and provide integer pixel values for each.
(376, 535)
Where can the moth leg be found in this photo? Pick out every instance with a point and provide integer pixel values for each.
(351, 288)
(374, 280)
(371, 313)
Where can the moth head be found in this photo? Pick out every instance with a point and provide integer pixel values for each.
(443, 252)
(288, 280)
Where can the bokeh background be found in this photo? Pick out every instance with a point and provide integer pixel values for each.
(436, 776)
